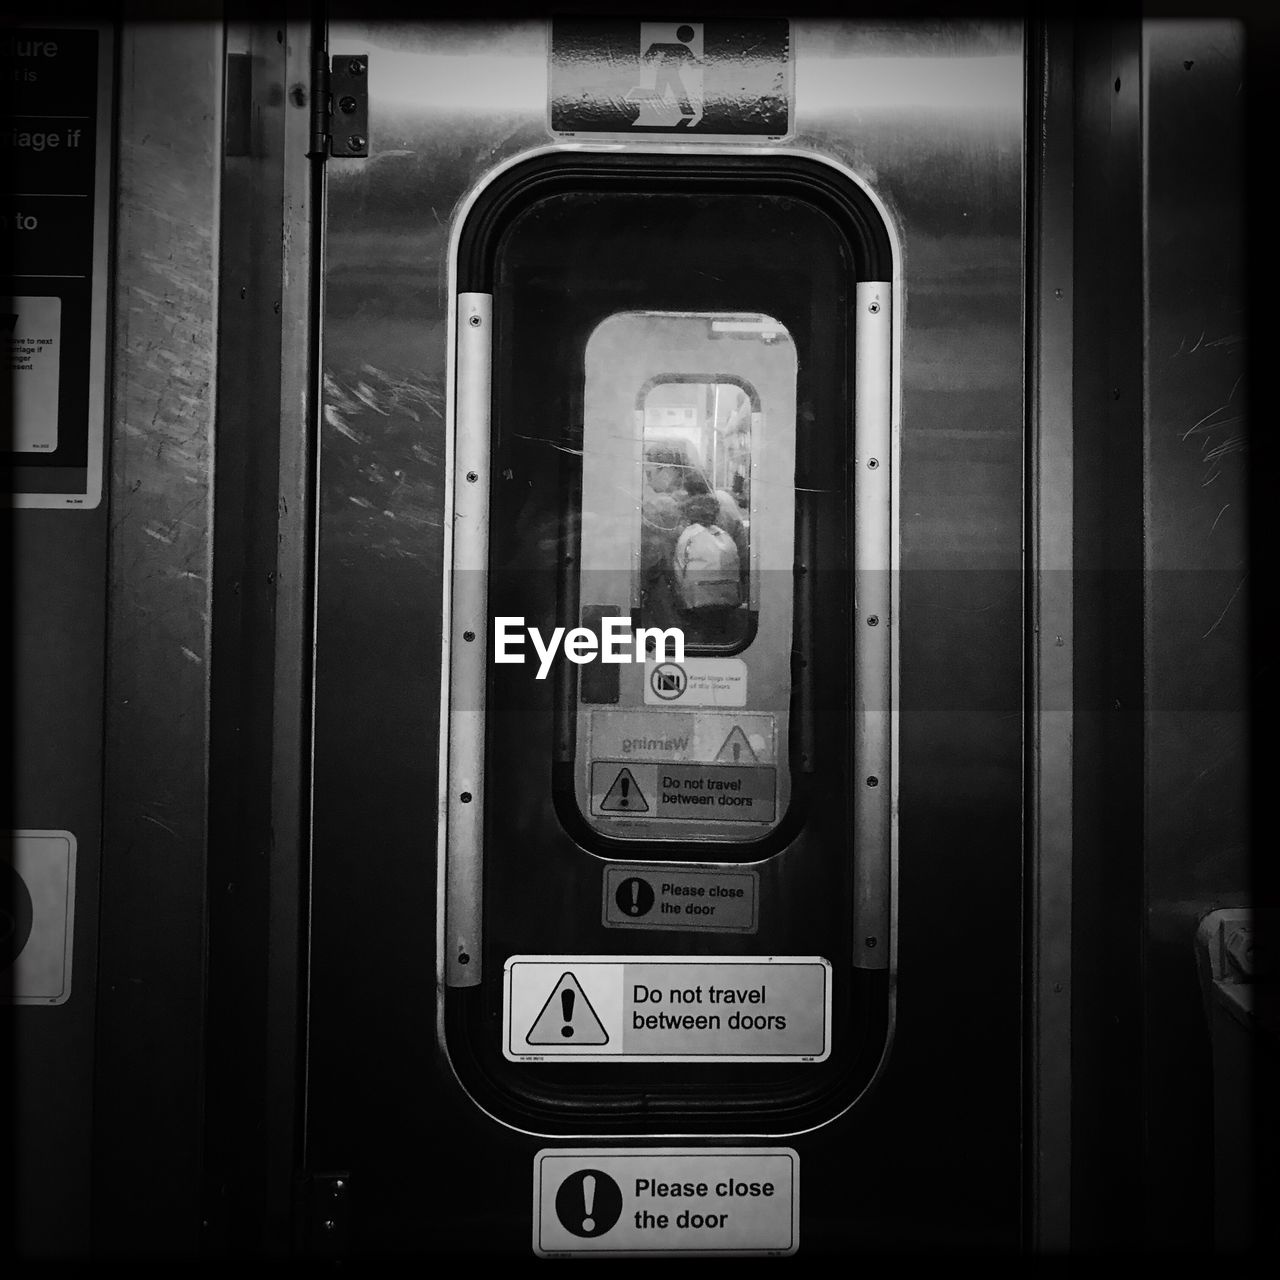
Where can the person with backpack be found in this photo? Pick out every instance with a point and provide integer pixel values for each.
(707, 570)
(661, 520)
(728, 517)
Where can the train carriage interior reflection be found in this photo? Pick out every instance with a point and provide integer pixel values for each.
(636, 636)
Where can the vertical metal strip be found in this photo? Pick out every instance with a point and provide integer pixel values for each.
(1051, 603)
(873, 623)
(294, 674)
(150, 1044)
(467, 643)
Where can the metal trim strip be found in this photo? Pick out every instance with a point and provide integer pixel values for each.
(465, 662)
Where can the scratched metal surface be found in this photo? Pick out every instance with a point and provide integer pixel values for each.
(150, 1016)
(1198, 582)
(931, 116)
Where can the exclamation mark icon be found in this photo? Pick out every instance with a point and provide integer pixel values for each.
(588, 1201)
(626, 790)
(635, 897)
(566, 1007)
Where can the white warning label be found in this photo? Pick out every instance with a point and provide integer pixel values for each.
(698, 792)
(32, 328)
(638, 895)
(667, 1008)
(711, 1201)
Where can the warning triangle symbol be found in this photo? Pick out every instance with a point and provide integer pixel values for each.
(736, 749)
(624, 796)
(567, 1017)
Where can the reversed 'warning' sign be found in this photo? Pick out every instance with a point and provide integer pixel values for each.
(678, 736)
(667, 1008)
(567, 1015)
(624, 796)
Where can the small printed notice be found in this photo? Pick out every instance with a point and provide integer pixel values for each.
(31, 329)
(667, 1009)
(696, 682)
(642, 896)
(627, 1202)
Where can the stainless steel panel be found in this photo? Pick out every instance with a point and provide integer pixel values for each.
(150, 1012)
(1198, 580)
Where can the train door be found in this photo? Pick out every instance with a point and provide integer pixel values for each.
(668, 654)
(659, 470)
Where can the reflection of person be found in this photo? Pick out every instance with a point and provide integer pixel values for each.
(661, 520)
(729, 518)
(707, 573)
(676, 495)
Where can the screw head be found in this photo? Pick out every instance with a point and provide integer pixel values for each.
(347, 105)
(873, 782)
(472, 477)
(474, 322)
(468, 635)
(465, 797)
(874, 308)
(356, 66)
(873, 621)
(357, 142)
(872, 463)
(870, 942)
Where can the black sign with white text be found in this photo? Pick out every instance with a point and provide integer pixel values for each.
(48, 214)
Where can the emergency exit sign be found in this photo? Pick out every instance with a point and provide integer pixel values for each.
(679, 77)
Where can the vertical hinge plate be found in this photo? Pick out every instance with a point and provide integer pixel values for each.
(349, 105)
(319, 148)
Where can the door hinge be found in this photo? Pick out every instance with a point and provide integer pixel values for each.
(339, 105)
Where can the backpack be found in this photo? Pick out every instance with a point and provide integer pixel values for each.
(707, 568)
